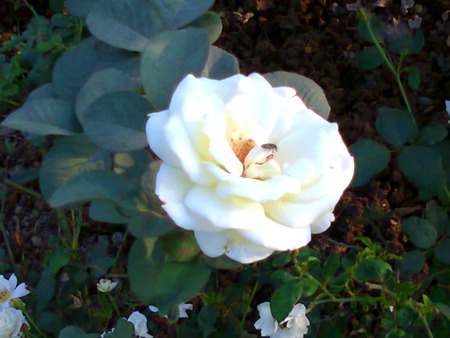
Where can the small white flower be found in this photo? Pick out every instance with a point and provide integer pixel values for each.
(391, 308)
(11, 323)
(182, 308)
(10, 290)
(140, 324)
(295, 325)
(106, 285)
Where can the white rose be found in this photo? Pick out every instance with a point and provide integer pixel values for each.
(295, 325)
(247, 166)
(11, 322)
(140, 324)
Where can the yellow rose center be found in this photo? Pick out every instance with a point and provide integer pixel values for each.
(4, 295)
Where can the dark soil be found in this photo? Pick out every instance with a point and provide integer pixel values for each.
(317, 39)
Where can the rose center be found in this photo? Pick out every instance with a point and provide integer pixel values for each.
(4, 295)
(257, 160)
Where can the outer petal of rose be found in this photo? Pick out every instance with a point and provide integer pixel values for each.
(179, 142)
(228, 213)
(167, 178)
(212, 243)
(20, 291)
(157, 140)
(267, 324)
(322, 223)
(299, 215)
(276, 236)
(215, 244)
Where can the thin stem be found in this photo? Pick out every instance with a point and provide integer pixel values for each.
(77, 228)
(255, 287)
(387, 61)
(119, 250)
(5, 234)
(339, 300)
(64, 226)
(33, 324)
(31, 8)
(113, 302)
(23, 189)
(320, 285)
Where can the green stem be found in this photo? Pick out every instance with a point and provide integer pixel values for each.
(119, 250)
(33, 324)
(62, 221)
(387, 61)
(113, 302)
(23, 189)
(320, 285)
(339, 300)
(14, 103)
(5, 234)
(255, 287)
(77, 228)
(413, 305)
(31, 8)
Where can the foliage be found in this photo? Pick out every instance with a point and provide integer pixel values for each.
(93, 103)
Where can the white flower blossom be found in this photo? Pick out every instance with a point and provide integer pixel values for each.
(11, 323)
(140, 324)
(295, 325)
(106, 285)
(247, 166)
(10, 290)
(447, 108)
(182, 309)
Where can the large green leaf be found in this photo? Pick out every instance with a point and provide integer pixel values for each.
(79, 7)
(310, 92)
(432, 134)
(284, 299)
(369, 58)
(178, 13)
(370, 157)
(78, 63)
(75, 332)
(396, 126)
(422, 233)
(45, 116)
(126, 24)
(370, 269)
(423, 167)
(132, 164)
(100, 83)
(104, 211)
(116, 121)
(93, 185)
(220, 64)
(211, 22)
(168, 58)
(411, 263)
(70, 157)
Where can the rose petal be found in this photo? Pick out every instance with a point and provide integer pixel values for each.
(229, 213)
(212, 243)
(157, 140)
(167, 178)
(322, 223)
(276, 236)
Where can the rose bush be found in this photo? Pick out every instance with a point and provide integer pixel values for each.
(247, 166)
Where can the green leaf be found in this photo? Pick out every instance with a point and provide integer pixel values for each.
(180, 245)
(116, 121)
(75, 66)
(148, 225)
(369, 58)
(444, 309)
(284, 299)
(103, 211)
(412, 262)
(220, 64)
(431, 134)
(79, 7)
(127, 24)
(69, 157)
(406, 41)
(57, 261)
(310, 92)
(75, 332)
(370, 269)
(396, 126)
(413, 77)
(280, 277)
(46, 116)
(123, 329)
(370, 158)
(97, 258)
(442, 251)
(100, 83)
(132, 164)
(168, 58)
(211, 22)
(421, 232)
(45, 290)
(423, 167)
(178, 282)
(50, 322)
(207, 318)
(178, 13)
(331, 265)
(438, 216)
(94, 185)
(377, 26)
